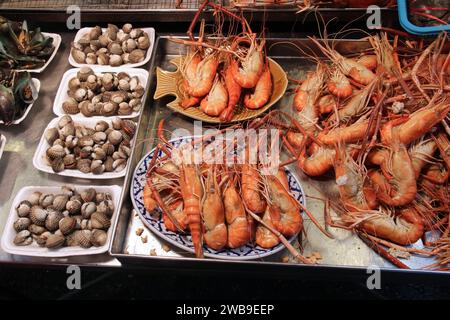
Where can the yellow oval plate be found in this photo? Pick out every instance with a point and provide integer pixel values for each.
(169, 83)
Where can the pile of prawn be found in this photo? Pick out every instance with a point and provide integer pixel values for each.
(221, 204)
(222, 73)
(379, 122)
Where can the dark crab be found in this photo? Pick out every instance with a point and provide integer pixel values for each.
(21, 48)
(17, 92)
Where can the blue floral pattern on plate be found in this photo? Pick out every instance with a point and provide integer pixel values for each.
(156, 225)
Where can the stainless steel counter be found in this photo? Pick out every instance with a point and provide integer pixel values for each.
(16, 167)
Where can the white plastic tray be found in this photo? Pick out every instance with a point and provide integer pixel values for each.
(2, 144)
(37, 85)
(61, 94)
(40, 162)
(83, 31)
(34, 249)
(56, 43)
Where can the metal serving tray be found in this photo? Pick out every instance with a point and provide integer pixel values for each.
(345, 253)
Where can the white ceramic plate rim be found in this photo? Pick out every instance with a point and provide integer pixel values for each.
(37, 85)
(2, 144)
(8, 245)
(41, 165)
(96, 67)
(273, 251)
(61, 94)
(56, 43)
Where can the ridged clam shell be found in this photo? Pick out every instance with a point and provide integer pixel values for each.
(99, 137)
(51, 135)
(98, 237)
(46, 200)
(59, 202)
(101, 125)
(67, 225)
(34, 198)
(55, 241)
(136, 56)
(97, 167)
(70, 161)
(84, 73)
(52, 220)
(70, 106)
(87, 108)
(109, 109)
(23, 238)
(37, 230)
(85, 141)
(115, 60)
(115, 137)
(64, 120)
(69, 191)
(67, 130)
(24, 207)
(100, 221)
(88, 195)
(95, 32)
(106, 207)
(57, 165)
(78, 55)
(87, 209)
(21, 224)
(38, 215)
(108, 148)
(83, 238)
(143, 42)
(109, 164)
(73, 206)
(55, 151)
(84, 165)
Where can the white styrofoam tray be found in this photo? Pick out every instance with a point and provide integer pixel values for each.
(61, 94)
(7, 242)
(40, 161)
(83, 31)
(2, 144)
(56, 43)
(37, 85)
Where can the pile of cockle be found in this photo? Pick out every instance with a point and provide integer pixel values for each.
(68, 218)
(218, 74)
(21, 48)
(111, 46)
(17, 92)
(222, 204)
(379, 121)
(103, 94)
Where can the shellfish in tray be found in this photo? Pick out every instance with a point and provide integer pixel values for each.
(89, 148)
(61, 221)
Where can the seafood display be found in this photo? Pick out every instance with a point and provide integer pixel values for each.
(68, 218)
(21, 48)
(378, 122)
(102, 148)
(111, 46)
(103, 94)
(18, 91)
(429, 12)
(223, 76)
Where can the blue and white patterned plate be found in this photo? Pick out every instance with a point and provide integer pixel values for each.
(156, 225)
